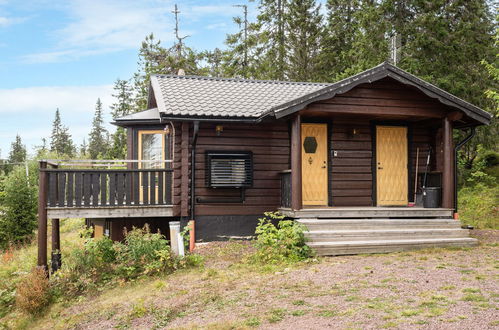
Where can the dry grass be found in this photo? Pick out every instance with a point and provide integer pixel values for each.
(399, 290)
(33, 292)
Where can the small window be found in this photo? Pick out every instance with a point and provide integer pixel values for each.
(229, 170)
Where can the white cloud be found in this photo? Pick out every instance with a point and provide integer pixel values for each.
(44, 100)
(6, 21)
(103, 26)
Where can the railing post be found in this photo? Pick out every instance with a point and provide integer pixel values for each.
(296, 196)
(56, 260)
(42, 216)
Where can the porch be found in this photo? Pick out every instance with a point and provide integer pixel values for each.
(100, 189)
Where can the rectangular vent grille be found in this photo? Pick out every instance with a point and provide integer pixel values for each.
(229, 170)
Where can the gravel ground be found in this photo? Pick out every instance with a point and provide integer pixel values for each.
(429, 289)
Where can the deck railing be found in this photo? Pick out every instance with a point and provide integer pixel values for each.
(286, 188)
(110, 187)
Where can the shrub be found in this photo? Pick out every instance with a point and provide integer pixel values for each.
(33, 292)
(18, 218)
(478, 206)
(102, 261)
(282, 243)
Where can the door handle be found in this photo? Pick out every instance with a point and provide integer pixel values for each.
(380, 168)
(324, 166)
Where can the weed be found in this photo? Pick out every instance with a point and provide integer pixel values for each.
(33, 292)
(410, 312)
(471, 290)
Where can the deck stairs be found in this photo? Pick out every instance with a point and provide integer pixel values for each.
(344, 231)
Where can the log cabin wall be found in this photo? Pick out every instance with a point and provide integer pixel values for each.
(270, 145)
(350, 176)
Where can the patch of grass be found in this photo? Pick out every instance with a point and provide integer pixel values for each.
(327, 313)
(410, 312)
(389, 324)
(252, 321)
(298, 302)
(448, 287)
(474, 297)
(478, 206)
(471, 290)
(298, 312)
(276, 315)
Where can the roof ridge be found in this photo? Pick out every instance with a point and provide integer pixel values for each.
(244, 80)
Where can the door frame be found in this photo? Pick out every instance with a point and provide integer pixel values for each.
(328, 124)
(374, 165)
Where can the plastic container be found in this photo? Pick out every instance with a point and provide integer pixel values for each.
(431, 197)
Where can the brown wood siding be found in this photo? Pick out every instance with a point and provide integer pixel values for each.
(350, 171)
(351, 177)
(271, 154)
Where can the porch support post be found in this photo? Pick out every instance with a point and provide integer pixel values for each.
(448, 164)
(296, 196)
(56, 246)
(42, 217)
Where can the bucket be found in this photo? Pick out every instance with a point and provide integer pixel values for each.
(431, 197)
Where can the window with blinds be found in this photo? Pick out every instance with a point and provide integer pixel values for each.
(229, 170)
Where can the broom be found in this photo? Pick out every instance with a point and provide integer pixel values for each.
(415, 178)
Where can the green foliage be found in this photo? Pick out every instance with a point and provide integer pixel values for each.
(17, 151)
(103, 261)
(123, 106)
(19, 205)
(282, 243)
(60, 140)
(98, 139)
(478, 206)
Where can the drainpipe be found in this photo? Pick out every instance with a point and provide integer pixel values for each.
(193, 168)
(456, 149)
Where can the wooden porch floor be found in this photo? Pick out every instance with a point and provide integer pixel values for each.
(366, 212)
(122, 211)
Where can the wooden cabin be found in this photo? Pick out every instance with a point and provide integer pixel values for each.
(345, 159)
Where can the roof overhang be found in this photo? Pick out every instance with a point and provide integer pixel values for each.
(377, 73)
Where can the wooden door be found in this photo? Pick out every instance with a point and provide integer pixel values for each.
(391, 165)
(314, 164)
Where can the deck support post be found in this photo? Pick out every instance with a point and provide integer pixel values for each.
(448, 164)
(42, 217)
(56, 260)
(296, 182)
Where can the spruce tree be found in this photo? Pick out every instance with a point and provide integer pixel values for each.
(17, 151)
(271, 22)
(97, 142)
(304, 22)
(122, 107)
(60, 140)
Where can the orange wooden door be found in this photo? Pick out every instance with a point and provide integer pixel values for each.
(391, 169)
(314, 164)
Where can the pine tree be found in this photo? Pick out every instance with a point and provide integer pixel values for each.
(303, 45)
(122, 107)
(17, 151)
(60, 140)
(83, 148)
(97, 142)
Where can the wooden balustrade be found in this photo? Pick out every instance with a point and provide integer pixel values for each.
(108, 187)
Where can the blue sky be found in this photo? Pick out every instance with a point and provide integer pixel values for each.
(66, 54)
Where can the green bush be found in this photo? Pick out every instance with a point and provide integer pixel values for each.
(102, 261)
(282, 243)
(19, 207)
(479, 206)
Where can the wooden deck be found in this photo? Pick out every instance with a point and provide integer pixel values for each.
(367, 212)
(122, 211)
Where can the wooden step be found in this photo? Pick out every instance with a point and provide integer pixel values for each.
(384, 246)
(369, 212)
(384, 234)
(367, 224)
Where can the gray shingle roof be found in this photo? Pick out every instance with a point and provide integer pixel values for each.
(222, 97)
